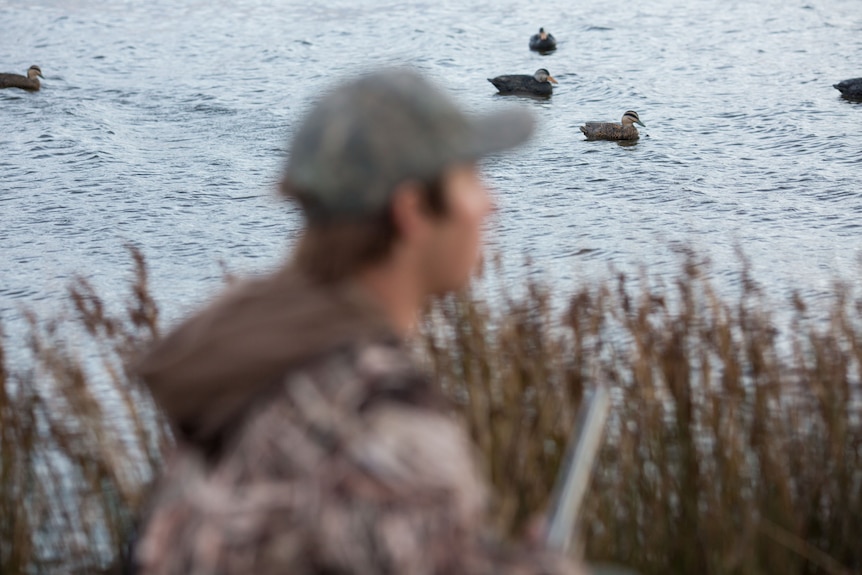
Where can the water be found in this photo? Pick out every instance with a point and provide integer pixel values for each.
(164, 124)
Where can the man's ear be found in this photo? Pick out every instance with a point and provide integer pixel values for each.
(408, 211)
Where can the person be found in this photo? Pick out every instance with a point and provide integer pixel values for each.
(307, 440)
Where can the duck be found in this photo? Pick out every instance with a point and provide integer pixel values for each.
(539, 84)
(625, 130)
(543, 41)
(28, 82)
(851, 89)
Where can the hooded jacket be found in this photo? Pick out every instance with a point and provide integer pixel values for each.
(308, 443)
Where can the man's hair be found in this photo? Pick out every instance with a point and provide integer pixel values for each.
(332, 249)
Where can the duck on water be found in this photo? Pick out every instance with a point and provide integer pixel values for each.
(850, 89)
(625, 130)
(539, 84)
(28, 82)
(543, 41)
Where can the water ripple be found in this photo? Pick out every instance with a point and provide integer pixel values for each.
(165, 124)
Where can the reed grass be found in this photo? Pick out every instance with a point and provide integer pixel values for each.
(80, 441)
(734, 444)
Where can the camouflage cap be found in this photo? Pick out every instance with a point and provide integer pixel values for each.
(375, 132)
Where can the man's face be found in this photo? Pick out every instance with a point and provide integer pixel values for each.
(455, 242)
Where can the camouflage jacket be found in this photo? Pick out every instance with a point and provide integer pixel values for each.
(349, 463)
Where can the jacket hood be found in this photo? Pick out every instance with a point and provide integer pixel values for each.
(216, 363)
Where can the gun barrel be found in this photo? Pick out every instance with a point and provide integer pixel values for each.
(574, 476)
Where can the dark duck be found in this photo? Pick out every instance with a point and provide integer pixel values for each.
(28, 82)
(543, 41)
(850, 89)
(539, 84)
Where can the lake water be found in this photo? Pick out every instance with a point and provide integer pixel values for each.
(164, 123)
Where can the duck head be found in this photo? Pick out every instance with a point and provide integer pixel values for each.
(34, 71)
(543, 75)
(631, 117)
(542, 34)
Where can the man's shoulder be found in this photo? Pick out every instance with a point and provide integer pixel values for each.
(362, 374)
(334, 399)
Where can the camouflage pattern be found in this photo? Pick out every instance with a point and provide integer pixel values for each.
(359, 142)
(349, 464)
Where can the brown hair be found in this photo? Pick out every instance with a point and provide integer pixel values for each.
(334, 248)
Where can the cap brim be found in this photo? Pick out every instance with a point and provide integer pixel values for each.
(500, 131)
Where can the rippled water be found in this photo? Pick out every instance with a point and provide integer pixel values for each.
(163, 123)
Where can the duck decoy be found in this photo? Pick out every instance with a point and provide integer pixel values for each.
(539, 84)
(850, 89)
(625, 130)
(28, 82)
(543, 41)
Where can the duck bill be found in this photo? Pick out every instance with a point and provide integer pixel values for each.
(639, 123)
(552, 79)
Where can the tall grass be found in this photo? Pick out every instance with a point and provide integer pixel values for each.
(733, 446)
(79, 439)
(734, 443)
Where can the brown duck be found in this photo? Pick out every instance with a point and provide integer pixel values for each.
(28, 82)
(625, 130)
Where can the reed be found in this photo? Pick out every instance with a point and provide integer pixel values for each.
(734, 443)
(79, 440)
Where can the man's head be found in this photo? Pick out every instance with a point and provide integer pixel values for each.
(385, 167)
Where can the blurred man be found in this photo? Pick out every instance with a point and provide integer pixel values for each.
(307, 440)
